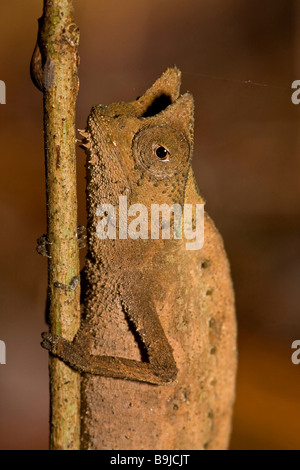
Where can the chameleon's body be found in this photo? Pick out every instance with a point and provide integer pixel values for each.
(168, 310)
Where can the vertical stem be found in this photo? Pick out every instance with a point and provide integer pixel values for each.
(58, 42)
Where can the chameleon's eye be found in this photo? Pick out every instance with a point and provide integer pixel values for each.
(162, 151)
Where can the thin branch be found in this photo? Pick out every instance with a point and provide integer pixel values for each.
(54, 68)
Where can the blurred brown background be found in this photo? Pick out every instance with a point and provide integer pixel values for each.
(247, 161)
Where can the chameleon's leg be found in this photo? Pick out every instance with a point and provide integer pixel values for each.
(160, 369)
(42, 242)
(106, 366)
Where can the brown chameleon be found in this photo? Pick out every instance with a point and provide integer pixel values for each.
(157, 343)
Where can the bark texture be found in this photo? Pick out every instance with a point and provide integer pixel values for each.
(58, 43)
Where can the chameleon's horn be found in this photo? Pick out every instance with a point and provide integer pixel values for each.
(163, 92)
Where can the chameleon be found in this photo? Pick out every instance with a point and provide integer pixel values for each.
(156, 347)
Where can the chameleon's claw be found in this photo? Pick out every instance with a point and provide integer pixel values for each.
(54, 344)
(59, 347)
(48, 341)
(43, 243)
(42, 246)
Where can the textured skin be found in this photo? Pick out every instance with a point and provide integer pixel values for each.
(151, 301)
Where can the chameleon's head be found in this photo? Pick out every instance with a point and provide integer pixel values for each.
(142, 149)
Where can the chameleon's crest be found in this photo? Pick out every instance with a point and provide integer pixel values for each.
(157, 98)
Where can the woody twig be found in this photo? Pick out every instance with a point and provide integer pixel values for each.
(54, 70)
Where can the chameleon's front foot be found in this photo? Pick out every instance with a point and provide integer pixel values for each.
(56, 345)
(43, 243)
(65, 350)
